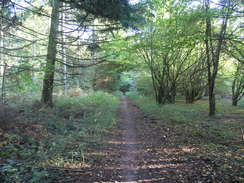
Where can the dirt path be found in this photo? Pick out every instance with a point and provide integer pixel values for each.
(138, 150)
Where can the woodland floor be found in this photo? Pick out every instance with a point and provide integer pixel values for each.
(140, 150)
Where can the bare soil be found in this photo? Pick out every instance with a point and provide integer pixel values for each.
(139, 150)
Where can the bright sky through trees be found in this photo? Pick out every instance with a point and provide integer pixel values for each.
(134, 1)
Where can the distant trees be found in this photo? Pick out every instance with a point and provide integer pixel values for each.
(184, 44)
(61, 52)
(167, 47)
(90, 10)
(194, 81)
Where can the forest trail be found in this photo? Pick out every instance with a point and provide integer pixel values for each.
(138, 150)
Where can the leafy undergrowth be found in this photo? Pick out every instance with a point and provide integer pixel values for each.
(42, 142)
(218, 140)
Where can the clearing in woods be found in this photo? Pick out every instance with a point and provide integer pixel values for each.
(138, 150)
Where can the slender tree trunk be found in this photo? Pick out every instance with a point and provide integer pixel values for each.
(64, 58)
(160, 97)
(33, 76)
(3, 83)
(206, 92)
(238, 84)
(212, 104)
(79, 71)
(47, 90)
(173, 93)
(94, 57)
(155, 87)
(234, 101)
(213, 52)
(209, 53)
(190, 96)
(3, 67)
(1, 60)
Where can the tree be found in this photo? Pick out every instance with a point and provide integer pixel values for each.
(214, 41)
(238, 84)
(194, 80)
(51, 55)
(112, 10)
(167, 46)
(8, 19)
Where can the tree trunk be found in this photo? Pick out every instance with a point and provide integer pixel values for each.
(173, 94)
(159, 97)
(206, 92)
(238, 84)
(234, 101)
(189, 96)
(213, 52)
(47, 90)
(212, 103)
(3, 83)
(2, 63)
(33, 76)
(64, 58)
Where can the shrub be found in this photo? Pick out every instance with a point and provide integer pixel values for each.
(144, 85)
(118, 94)
(168, 112)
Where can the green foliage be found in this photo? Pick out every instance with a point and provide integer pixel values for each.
(169, 112)
(193, 117)
(116, 10)
(241, 102)
(218, 139)
(127, 81)
(107, 77)
(118, 94)
(56, 137)
(144, 85)
(169, 44)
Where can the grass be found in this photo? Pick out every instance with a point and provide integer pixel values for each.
(54, 138)
(219, 139)
(169, 112)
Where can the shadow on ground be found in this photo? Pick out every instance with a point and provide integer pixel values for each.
(137, 150)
